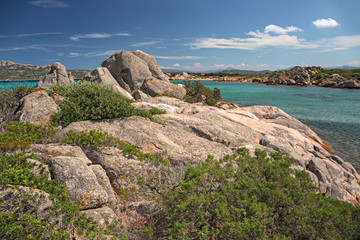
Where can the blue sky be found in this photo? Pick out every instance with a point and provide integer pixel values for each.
(194, 35)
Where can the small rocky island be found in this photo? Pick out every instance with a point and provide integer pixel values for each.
(296, 76)
(104, 181)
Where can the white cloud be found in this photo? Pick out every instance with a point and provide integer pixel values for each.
(179, 57)
(338, 43)
(21, 48)
(325, 23)
(143, 44)
(257, 41)
(176, 65)
(279, 30)
(49, 4)
(29, 34)
(93, 54)
(98, 35)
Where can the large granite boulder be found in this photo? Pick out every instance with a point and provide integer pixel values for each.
(102, 76)
(37, 108)
(132, 70)
(57, 74)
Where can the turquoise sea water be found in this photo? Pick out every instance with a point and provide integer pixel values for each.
(334, 114)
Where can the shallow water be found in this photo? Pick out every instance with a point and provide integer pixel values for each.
(334, 114)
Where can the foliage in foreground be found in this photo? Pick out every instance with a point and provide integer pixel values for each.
(20, 135)
(24, 224)
(244, 197)
(197, 92)
(91, 101)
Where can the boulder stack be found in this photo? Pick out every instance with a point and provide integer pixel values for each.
(57, 74)
(138, 71)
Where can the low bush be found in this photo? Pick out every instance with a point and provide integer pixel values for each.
(244, 197)
(197, 92)
(20, 135)
(91, 101)
(25, 224)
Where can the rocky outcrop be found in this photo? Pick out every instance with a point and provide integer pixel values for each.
(192, 131)
(57, 74)
(102, 76)
(139, 71)
(37, 108)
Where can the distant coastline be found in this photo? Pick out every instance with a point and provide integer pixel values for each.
(297, 76)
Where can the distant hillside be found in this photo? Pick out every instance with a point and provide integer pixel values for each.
(244, 72)
(16, 71)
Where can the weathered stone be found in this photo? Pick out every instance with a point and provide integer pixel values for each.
(140, 95)
(103, 180)
(155, 87)
(161, 106)
(123, 172)
(37, 108)
(46, 152)
(57, 74)
(139, 71)
(103, 216)
(152, 64)
(129, 70)
(102, 76)
(80, 182)
(39, 168)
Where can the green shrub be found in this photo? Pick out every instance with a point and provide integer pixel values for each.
(91, 101)
(10, 101)
(197, 92)
(20, 135)
(244, 197)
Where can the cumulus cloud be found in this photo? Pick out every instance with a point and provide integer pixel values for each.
(179, 57)
(279, 30)
(256, 41)
(325, 23)
(49, 4)
(98, 35)
(338, 43)
(176, 65)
